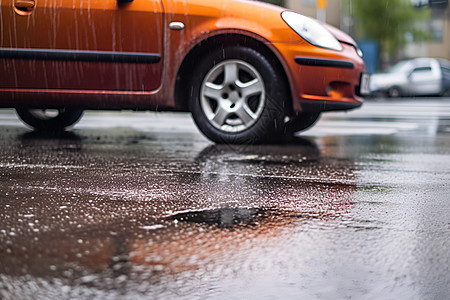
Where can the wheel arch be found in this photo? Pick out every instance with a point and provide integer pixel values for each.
(184, 74)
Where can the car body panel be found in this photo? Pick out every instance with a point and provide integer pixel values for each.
(415, 77)
(425, 79)
(56, 33)
(142, 26)
(445, 69)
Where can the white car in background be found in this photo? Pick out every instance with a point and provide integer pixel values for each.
(415, 77)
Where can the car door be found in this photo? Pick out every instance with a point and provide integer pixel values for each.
(424, 80)
(81, 44)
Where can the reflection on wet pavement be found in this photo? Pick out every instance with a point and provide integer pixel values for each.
(222, 217)
(94, 215)
(117, 213)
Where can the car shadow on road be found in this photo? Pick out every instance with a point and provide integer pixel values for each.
(54, 135)
(294, 150)
(62, 139)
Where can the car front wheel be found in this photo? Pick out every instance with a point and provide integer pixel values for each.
(49, 119)
(238, 97)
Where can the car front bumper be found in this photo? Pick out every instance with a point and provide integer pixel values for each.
(324, 80)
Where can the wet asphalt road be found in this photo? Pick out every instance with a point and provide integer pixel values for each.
(141, 206)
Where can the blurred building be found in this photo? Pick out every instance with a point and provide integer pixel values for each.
(439, 28)
(328, 11)
(339, 14)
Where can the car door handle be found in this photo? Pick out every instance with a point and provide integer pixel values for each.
(24, 6)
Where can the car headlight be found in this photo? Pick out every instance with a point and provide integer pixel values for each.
(311, 30)
(359, 51)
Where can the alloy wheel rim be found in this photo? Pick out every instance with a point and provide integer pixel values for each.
(233, 96)
(46, 114)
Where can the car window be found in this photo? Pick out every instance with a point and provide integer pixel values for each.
(422, 69)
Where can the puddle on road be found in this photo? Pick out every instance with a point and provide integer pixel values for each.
(222, 217)
(241, 218)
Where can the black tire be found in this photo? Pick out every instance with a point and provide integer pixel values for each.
(238, 97)
(394, 92)
(49, 120)
(301, 121)
(446, 93)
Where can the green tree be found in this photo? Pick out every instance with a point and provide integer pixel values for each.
(391, 23)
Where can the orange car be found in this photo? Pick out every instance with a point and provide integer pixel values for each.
(247, 71)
